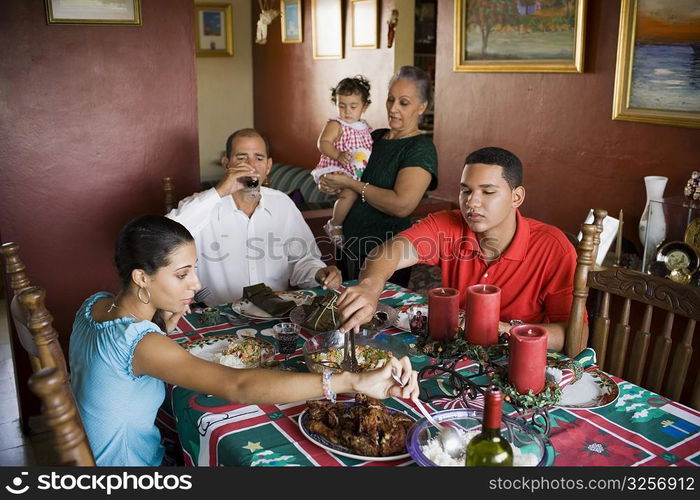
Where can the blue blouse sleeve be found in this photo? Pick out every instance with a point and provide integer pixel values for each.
(133, 334)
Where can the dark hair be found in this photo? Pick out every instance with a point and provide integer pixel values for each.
(420, 78)
(348, 86)
(245, 132)
(146, 243)
(512, 168)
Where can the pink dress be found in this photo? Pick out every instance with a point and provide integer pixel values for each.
(356, 139)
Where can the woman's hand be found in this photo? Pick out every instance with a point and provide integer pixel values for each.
(172, 318)
(333, 183)
(380, 384)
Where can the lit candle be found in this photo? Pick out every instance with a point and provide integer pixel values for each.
(483, 313)
(528, 358)
(443, 313)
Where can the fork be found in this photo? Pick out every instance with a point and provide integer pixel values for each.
(202, 294)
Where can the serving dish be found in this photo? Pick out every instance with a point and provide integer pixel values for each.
(528, 444)
(322, 342)
(337, 449)
(298, 315)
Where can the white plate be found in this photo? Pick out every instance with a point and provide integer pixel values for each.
(208, 347)
(250, 310)
(594, 389)
(341, 450)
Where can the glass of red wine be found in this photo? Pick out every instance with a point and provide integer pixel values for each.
(287, 335)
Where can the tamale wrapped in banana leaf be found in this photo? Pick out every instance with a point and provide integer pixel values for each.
(322, 315)
(262, 296)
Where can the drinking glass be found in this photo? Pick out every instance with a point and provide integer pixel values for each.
(252, 188)
(287, 334)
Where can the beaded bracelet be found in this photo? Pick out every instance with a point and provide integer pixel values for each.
(326, 380)
(362, 193)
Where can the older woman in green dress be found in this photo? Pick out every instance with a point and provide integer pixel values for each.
(402, 166)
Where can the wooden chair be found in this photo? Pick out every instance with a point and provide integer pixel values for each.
(51, 384)
(44, 351)
(642, 358)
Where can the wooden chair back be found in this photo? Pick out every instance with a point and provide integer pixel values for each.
(627, 339)
(15, 270)
(61, 415)
(52, 386)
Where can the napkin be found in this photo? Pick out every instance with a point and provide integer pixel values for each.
(263, 297)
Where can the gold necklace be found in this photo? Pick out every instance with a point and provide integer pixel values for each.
(409, 134)
(119, 306)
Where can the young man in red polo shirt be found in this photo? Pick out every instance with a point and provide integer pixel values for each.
(486, 241)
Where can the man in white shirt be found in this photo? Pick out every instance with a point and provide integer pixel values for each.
(249, 235)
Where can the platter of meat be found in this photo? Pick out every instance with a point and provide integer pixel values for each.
(364, 429)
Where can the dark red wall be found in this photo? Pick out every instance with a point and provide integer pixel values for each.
(292, 89)
(91, 119)
(576, 157)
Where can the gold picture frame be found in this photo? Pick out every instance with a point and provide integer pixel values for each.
(364, 24)
(525, 37)
(327, 29)
(94, 12)
(652, 85)
(291, 23)
(213, 28)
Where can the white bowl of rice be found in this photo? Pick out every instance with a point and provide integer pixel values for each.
(530, 448)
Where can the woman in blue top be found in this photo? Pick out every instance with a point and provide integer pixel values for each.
(120, 357)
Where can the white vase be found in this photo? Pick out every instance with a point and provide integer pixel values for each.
(652, 229)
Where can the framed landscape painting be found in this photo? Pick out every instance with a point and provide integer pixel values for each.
(657, 78)
(519, 36)
(291, 21)
(213, 25)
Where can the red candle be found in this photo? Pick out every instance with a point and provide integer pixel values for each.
(528, 358)
(483, 313)
(443, 313)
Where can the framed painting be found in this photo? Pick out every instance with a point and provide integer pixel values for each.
(327, 29)
(658, 51)
(291, 21)
(519, 36)
(94, 12)
(213, 26)
(364, 24)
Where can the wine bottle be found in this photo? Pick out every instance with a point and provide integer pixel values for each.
(489, 447)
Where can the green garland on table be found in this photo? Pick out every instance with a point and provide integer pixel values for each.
(550, 395)
(459, 348)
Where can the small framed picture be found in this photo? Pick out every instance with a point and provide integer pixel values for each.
(291, 21)
(327, 21)
(213, 29)
(94, 12)
(364, 24)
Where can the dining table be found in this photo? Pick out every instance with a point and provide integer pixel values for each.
(633, 427)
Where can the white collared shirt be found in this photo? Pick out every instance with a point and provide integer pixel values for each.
(274, 246)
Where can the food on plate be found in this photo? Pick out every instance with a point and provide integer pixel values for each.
(368, 357)
(247, 352)
(368, 428)
(267, 300)
(322, 315)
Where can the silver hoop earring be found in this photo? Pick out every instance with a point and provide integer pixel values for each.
(148, 293)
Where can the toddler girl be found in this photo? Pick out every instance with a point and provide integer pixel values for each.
(345, 144)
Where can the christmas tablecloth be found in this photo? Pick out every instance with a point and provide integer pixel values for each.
(638, 428)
